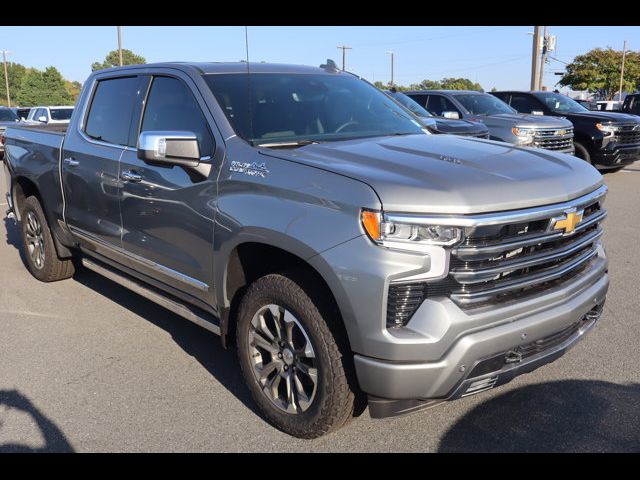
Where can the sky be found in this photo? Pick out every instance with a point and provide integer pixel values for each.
(494, 56)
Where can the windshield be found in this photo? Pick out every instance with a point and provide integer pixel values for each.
(559, 103)
(411, 104)
(484, 104)
(272, 108)
(61, 113)
(7, 115)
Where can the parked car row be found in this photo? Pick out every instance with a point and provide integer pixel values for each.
(312, 221)
(548, 120)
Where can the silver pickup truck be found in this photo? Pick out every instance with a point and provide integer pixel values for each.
(307, 218)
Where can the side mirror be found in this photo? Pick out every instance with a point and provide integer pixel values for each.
(42, 119)
(454, 115)
(170, 148)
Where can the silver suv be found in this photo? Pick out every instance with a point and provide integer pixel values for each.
(505, 123)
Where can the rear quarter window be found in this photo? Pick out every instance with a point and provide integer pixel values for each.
(109, 116)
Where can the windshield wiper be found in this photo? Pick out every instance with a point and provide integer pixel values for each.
(295, 143)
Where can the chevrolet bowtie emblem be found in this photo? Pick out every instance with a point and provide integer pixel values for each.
(569, 221)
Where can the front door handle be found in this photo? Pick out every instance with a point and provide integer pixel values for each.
(130, 176)
(72, 162)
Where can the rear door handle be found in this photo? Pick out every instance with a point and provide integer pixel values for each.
(72, 162)
(130, 176)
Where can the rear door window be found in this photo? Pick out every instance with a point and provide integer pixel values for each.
(109, 117)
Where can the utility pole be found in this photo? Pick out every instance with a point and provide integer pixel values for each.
(391, 53)
(344, 49)
(120, 44)
(543, 58)
(534, 58)
(624, 54)
(6, 76)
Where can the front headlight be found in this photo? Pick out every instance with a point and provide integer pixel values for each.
(407, 236)
(606, 129)
(525, 135)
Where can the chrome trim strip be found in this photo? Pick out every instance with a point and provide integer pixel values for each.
(149, 294)
(471, 275)
(513, 216)
(181, 277)
(467, 253)
(466, 298)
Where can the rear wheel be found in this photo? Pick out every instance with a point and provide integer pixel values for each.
(40, 252)
(294, 364)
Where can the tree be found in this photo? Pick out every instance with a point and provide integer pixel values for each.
(598, 71)
(113, 60)
(459, 84)
(42, 88)
(73, 88)
(16, 73)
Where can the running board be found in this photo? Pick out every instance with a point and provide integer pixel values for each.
(148, 293)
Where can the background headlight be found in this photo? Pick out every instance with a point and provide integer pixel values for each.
(406, 236)
(607, 129)
(525, 135)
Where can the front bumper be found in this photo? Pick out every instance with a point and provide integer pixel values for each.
(401, 387)
(617, 157)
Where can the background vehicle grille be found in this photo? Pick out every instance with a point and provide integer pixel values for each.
(626, 134)
(501, 262)
(553, 139)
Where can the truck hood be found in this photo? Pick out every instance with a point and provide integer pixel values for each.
(449, 174)
(605, 117)
(523, 120)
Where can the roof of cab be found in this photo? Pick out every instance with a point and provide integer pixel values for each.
(453, 92)
(234, 67)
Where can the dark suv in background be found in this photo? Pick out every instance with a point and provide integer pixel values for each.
(435, 124)
(505, 124)
(632, 104)
(608, 140)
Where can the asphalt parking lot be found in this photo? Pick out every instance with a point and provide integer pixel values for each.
(86, 365)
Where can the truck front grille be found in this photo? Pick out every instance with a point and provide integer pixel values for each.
(627, 134)
(500, 262)
(554, 138)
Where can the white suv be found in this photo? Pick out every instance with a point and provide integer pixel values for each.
(53, 114)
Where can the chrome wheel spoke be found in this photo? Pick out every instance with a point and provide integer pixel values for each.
(291, 400)
(257, 340)
(303, 399)
(288, 376)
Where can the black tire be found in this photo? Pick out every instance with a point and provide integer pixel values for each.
(582, 152)
(333, 402)
(46, 267)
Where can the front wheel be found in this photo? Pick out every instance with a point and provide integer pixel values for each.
(582, 152)
(294, 364)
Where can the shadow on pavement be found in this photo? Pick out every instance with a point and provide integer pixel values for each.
(201, 344)
(13, 237)
(54, 439)
(562, 416)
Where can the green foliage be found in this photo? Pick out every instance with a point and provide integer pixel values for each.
(42, 88)
(598, 71)
(16, 73)
(444, 84)
(74, 89)
(113, 60)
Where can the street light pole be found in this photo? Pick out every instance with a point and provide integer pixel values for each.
(391, 53)
(6, 76)
(624, 53)
(344, 49)
(120, 44)
(534, 58)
